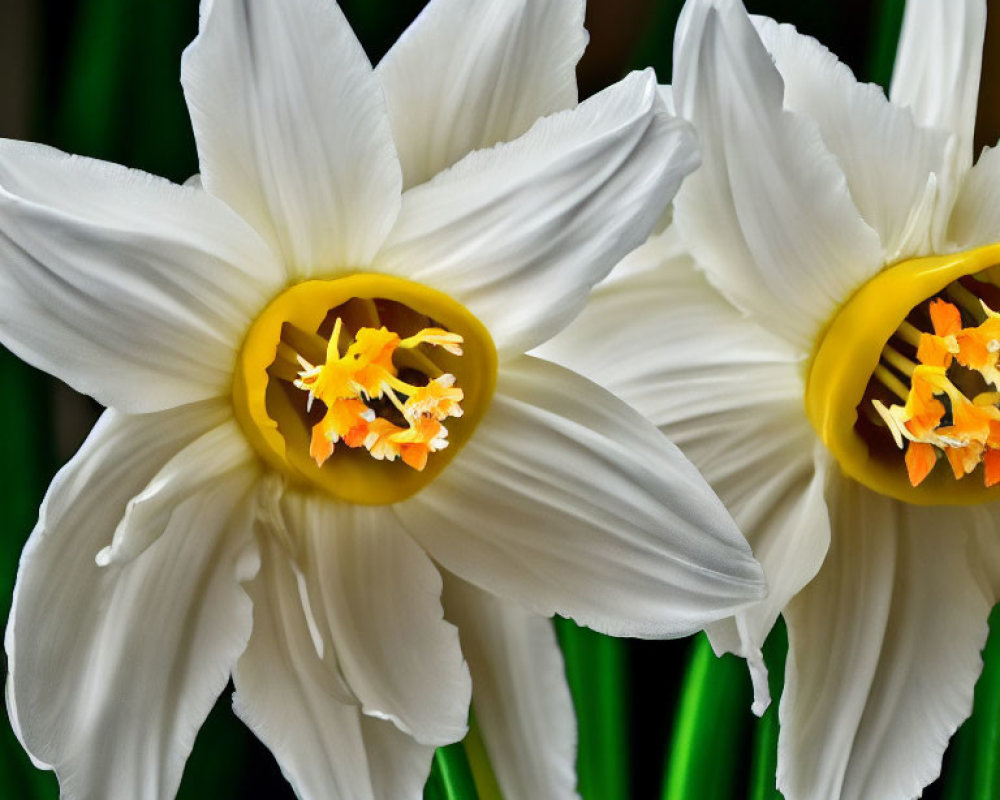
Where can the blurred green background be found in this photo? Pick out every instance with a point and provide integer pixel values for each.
(657, 719)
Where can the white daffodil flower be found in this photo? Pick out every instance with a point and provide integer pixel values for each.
(812, 332)
(314, 363)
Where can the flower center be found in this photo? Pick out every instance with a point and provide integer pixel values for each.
(906, 375)
(358, 384)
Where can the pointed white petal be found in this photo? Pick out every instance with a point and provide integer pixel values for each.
(769, 214)
(729, 394)
(519, 693)
(519, 233)
(113, 670)
(938, 62)
(569, 501)
(377, 599)
(292, 129)
(975, 219)
(128, 287)
(884, 649)
(893, 167)
(467, 75)
(287, 695)
(214, 455)
(402, 764)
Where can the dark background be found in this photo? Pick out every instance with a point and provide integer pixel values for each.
(101, 78)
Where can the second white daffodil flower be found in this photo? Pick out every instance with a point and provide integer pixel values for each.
(313, 360)
(820, 336)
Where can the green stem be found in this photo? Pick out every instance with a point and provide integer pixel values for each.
(765, 740)
(451, 776)
(985, 720)
(596, 672)
(479, 762)
(710, 728)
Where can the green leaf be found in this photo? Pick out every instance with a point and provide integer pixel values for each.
(711, 728)
(972, 767)
(886, 22)
(985, 719)
(596, 672)
(121, 98)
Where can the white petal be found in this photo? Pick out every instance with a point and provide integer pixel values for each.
(292, 129)
(729, 394)
(377, 598)
(114, 669)
(466, 75)
(519, 233)
(327, 749)
(769, 214)
(568, 501)
(892, 166)
(975, 218)
(938, 62)
(884, 649)
(214, 455)
(519, 693)
(660, 337)
(128, 287)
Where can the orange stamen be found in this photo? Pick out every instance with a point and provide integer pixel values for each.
(320, 448)
(964, 459)
(924, 412)
(920, 460)
(991, 465)
(438, 399)
(365, 371)
(935, 351)
(945, 317)
(974, 433)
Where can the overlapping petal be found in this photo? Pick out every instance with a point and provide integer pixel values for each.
(288, 696)
(292, 129)
(128, 287)
(778, 230)
(519, 693)
(569, 501)
(521, 232)
(975, 218)
(211, 457)
(938, 62)
(894, 168)
(729, 394)
(114, 669)
(467, 75)
(377, 599)
(884, 649)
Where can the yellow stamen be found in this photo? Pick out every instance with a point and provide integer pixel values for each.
(909, 333)
(966, 300)
(896, 359)
(438, 399)
(287, 392)
(451, 342)
(944, 404)
(366, 371)
(891, 382)
(975, 424)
